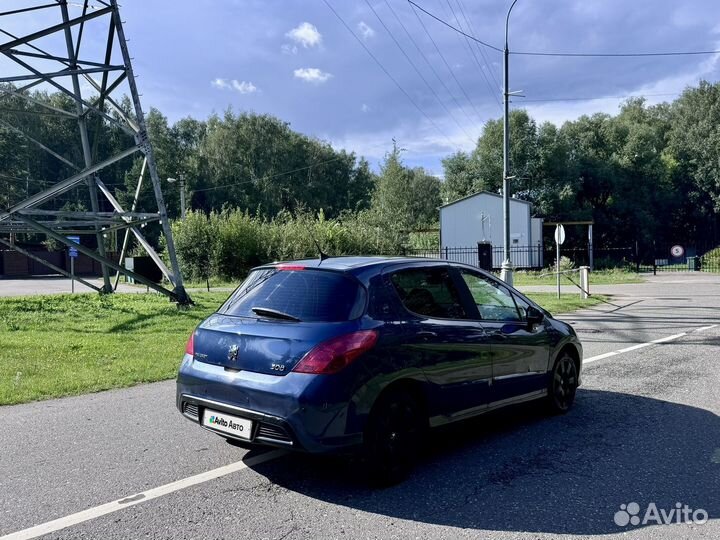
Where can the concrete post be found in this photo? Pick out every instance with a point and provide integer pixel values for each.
(585, 281)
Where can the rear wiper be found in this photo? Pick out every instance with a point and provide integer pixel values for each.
(241, 294)
(274, 314)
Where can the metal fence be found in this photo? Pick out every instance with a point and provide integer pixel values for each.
(536, 257)
(524, 257)
(602, 257)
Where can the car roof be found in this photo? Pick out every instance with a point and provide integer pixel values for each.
(356, 264)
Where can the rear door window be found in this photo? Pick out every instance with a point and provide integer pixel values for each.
(429, 292)
(307, 295)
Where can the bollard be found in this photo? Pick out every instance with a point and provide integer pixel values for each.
(584, 282)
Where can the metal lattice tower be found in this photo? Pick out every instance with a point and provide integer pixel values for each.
(60, 56)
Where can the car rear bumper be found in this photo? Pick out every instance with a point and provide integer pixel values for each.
(282, 412)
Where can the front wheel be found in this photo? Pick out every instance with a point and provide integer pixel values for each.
(392, 437)
(563, 384)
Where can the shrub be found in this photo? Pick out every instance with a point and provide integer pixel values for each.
(229, 243)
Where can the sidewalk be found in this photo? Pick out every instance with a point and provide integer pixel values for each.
(56, 285)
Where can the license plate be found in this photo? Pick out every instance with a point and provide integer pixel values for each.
(219, 421)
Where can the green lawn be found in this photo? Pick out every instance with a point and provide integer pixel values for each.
(600, 277)
(60, 345)
(566, 303)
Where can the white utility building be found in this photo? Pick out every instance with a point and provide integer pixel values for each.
(478, 218)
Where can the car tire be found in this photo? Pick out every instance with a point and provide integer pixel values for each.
(563, 384)
(392, 438)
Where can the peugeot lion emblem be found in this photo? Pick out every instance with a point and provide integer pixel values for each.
(233, 353)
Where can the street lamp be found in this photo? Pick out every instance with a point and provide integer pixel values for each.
(506, 272)
(182, 194)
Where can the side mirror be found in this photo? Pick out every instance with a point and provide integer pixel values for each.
(534, 316)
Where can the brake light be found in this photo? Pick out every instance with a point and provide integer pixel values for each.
(337, 353)
(290, 267)
(190, 347)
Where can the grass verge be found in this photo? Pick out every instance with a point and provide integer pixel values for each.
(61, 345)
(600, 277)
(566, 303)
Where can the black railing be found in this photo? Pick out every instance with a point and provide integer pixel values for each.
(535, 257)
(520, 256)
(602, 257)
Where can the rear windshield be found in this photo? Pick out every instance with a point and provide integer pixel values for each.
(307, 295)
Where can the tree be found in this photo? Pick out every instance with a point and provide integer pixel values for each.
(694, 156)
(405, 197)
(461, 176)
(523, 153)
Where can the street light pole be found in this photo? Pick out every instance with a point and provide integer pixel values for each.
(506, 273)
(182, 197)
(182, 194)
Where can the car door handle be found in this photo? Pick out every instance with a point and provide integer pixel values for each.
(426, 334)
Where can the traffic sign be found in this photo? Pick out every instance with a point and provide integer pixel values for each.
(677, 251)
(73, 252)
(559, 234)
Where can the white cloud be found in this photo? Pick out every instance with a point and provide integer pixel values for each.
(312, 75)
(222, 84)
(305, 34)
(365, 31)
(286, 48)
(365, 108)
(244, 87)
(419, 138)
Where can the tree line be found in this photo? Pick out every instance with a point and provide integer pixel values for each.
(648, 174)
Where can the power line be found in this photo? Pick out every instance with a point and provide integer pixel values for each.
(268, 177)
(472, 52)
(452, 72)
(470, 26)
(454, 28)
(613, 55)
(388, 73)
(600, 97)
(418, 71)
(427, 61)
(567, 54)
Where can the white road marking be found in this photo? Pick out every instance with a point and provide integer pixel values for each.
(703, 328)
(599, 357)
(628, 349)
(138, 498)
(635, 347)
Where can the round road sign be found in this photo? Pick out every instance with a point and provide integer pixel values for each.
(559, 234)
(677, 251)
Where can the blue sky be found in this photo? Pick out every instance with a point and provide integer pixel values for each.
(294, 59)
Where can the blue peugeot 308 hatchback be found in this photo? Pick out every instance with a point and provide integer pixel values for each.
(369, 353)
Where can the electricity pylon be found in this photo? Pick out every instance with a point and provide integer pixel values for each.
(59, 56)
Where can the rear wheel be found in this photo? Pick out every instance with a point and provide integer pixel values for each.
(392, 438)
(563, 384)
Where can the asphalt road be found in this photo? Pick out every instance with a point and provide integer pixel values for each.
(645, 429)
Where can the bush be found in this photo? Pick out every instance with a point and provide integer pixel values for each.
(194, 239)
(236, 247)
(229, 243)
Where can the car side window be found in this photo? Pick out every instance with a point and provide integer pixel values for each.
(494, 301)
(429, 292)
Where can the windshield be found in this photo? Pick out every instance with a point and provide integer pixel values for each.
(305, 295)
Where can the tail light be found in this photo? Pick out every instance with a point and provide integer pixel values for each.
(337, 353)
(190, 347)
